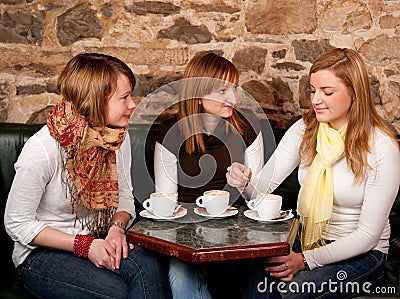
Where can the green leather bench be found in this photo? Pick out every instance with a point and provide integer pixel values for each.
(13, 137)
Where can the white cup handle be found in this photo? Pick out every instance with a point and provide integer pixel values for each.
(252, 204)
(147, 204)
(200, 201)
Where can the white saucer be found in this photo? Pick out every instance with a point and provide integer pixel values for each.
(178, 214)
(254, 215)
(231, 211)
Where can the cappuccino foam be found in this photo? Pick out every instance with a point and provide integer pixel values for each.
(170, 194)
(268, 196)
(215, 192)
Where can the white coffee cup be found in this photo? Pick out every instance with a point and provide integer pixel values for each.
(268, 206)
(214, 201)
(162, 204)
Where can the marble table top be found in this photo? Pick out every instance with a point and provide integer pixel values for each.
(229, 238)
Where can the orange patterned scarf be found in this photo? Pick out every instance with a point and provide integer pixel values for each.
(91, 164)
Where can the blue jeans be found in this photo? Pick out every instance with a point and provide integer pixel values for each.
(187, 280)
(344, 279)
(59, 274)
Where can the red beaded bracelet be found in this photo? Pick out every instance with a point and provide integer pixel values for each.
(82, 245)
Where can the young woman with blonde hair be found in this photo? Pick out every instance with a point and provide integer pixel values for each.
(194, 148)
(349, 170)
(71, 198)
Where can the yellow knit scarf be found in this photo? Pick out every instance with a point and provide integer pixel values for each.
(315, 200)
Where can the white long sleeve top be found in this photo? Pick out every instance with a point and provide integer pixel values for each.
(38, 198)
(360, 216)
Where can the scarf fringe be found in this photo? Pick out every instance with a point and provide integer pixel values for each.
(307, 236)
(97, 222)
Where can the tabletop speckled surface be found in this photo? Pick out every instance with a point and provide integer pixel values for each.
(232, 237)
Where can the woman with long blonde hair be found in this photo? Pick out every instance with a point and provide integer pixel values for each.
(349, 171)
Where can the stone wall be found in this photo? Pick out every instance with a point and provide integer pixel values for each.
(272, 42)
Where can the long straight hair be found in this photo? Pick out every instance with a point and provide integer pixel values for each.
(204, 74)
(89, 80)
(349, 67)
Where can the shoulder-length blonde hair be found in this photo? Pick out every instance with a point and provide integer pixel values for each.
(204, 73)
(89, 80)
(348, 66)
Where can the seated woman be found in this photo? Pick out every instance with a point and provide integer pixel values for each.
(71, 198)
(349, 170)
(194, 149)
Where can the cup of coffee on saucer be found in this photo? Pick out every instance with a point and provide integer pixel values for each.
(268, 206)
(215, 202)
(162, 204)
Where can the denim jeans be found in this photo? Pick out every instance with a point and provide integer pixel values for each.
(59, 274)
(187, 280)
(344, 279)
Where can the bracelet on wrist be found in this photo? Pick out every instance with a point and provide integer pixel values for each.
(306, 267)
(82, 245)
(119, 224)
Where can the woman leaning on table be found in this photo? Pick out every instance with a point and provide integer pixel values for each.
(208, 124)
(349, 170)
(71, 197)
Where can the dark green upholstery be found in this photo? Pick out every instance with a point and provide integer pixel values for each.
(13, 137)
